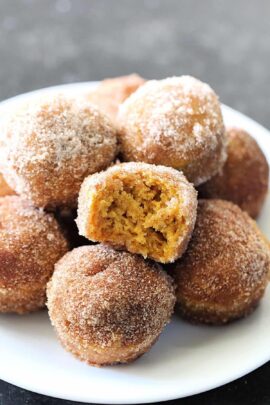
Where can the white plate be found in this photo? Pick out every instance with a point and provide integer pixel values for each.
(186, 360)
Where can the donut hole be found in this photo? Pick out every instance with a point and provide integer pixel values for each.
(142, 214)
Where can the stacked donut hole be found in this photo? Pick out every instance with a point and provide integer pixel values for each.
(125, 160)
(110, 93)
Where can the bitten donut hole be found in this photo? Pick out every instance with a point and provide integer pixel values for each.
(142, 214)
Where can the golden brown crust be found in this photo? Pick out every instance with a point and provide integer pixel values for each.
(30, 243)
(110, 93)
(244, 178)
(223, 273)
(51, 144)
(108, 306)
(174, 122)
(92, 186)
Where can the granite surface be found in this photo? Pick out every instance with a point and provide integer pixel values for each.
(224, 42)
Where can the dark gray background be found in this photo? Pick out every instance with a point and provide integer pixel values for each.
(224, 42)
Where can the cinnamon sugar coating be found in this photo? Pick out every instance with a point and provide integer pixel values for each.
(30, 244)
(108, 306)
(174, 122)
(50, 144)
(244, 177)
(223, 274)
(110, 93)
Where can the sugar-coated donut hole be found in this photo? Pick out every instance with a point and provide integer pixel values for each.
(31, 242)
(108, 306)
(175, 122)
(142, 208)
(224, 272)
(244, 178)
(111, 92)
(50, 144)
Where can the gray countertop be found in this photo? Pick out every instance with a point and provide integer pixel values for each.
(223, 42)
(226, 43)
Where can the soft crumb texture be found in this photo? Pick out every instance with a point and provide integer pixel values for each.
(30, 244)
(174, 122)
(110, 93)
(108, 306)
(138, 207)
(4, 187)
(244, 178)
(223, 274)
(50, 145)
